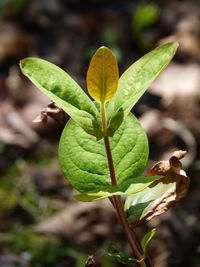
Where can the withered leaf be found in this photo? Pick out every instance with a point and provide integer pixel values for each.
(42, 117)
(159, 197)
(53, 111)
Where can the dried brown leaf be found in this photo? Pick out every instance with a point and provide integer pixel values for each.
(172, 172)
(42, 117)
(53, 111)
(158, 198)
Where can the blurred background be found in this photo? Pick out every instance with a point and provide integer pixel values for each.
(41, 225)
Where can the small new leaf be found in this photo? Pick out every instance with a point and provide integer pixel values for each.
(129, 187)
(121, 257)
(146, 240)
(115, 122)
(103, 75)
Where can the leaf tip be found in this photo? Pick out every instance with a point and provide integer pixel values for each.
(174, 45)
(103, 48)
(154, 230)
(21, 63)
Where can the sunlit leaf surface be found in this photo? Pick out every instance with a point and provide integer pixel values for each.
(64, 91)
(129, 187)
(103, 75)
(83, 160)
(137, 78)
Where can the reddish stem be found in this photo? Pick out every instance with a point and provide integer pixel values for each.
(117, 201)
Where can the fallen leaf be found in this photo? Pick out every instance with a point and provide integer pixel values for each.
(53, 111)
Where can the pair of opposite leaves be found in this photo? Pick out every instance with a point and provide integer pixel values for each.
(102, 83)
(82, 158)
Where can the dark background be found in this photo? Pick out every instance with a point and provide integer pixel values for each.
(40, 222)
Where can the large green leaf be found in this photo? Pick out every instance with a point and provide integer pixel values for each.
(129, 187)
(84, 162)
(64, 91)
(137, 78)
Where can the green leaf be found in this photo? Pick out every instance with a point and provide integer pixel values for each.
(115, 122)
(145, 16)
(83, 160)
(129, 187)
(64, 91)
(121, 257)
(139, 205)
(147, 240)
(103, 75)
(137, 78)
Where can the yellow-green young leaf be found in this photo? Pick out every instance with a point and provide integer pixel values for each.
(103, 75)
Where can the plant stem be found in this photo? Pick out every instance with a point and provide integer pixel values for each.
(117, 201)
(120, 210)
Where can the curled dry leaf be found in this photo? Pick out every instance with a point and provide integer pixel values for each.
(53, 111)
(156, 200)
(172, 172)
(42, 117)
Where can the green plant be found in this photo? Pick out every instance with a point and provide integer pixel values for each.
(145, 16)
(103, 149)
